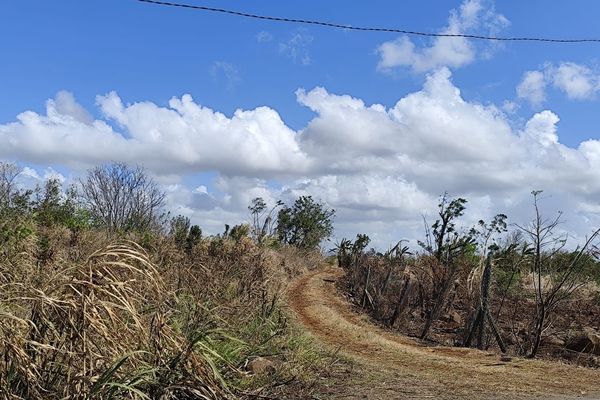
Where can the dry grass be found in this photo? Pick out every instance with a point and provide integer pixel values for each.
(83, 316)
(98, 329)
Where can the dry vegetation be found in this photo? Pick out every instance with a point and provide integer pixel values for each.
(392, 366)
(524, 293)
(103, 295)
(102, 320)
(89, 310)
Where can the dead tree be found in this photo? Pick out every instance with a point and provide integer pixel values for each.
(263, 223)
(440, 301)
(483, 311)
(447, 246)
(122, 198)
(547, 248)
(405, 292)
(8, 175)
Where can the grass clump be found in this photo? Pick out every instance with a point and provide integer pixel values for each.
(99, 329)
(100, 318)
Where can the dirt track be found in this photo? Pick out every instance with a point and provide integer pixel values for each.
(391, 366)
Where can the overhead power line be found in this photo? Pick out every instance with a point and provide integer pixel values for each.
(364, 28)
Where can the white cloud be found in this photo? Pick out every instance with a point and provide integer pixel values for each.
(202, 189)
(532, 87)
(472, 16)
(64, 104)
(510, 106)
(264, 37)
(297, 48)
(228, 72)
(30, 173)
(577, 81)
(181, 137)
(30, 178)
(379, 167)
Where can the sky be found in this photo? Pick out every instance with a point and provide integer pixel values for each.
(221, 109)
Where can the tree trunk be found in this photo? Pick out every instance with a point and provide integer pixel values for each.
(386, 281)
(365, 292)
(439, 304)
(473, 328)
(539, 327)
(485, 297)
(496, 333)
(402, 300)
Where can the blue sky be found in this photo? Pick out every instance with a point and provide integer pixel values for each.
(147, 52)
(150, 54)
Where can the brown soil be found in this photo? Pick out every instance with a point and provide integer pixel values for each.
(390, 366)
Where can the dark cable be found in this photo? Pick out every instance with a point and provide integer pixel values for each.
(368, 29)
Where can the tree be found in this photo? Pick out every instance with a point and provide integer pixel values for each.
(306, 224)
(58, 207)
(446, 240)
(194, 237)
(8, 174)
(549, 259)
(257, 208)
(488, 248)
(447, 247)
(239, 231)
(122, 198)
(180, 227)
(184, 234)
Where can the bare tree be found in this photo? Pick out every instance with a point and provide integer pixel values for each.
(555, 277)
(488, 248)
(483, 314)
(8, 173)
(121, 197)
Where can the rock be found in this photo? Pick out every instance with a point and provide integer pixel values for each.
(505, 357)
(584, 341)
(261, 365)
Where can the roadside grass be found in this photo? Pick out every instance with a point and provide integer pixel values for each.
(99, 317)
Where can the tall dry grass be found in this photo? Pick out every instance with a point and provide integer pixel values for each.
(85, 317)
(98, 329)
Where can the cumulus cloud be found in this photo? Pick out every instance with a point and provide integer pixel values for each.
(183, 136)
(532, 87)
(472, 16)
(64, 104)
(577, 82)
(380, 167)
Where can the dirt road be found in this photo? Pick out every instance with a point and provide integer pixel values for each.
(391, 366)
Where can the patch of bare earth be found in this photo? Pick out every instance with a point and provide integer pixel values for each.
(390, 366)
